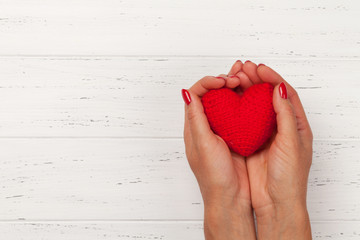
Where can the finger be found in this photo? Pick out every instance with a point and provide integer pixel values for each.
(232, 81)
(187, 133)
(196, 119)
(207, 83)
(245, 82)
(285, 115)
(270, 76)
(256, 165)
(236, 67)
(224, 76)
(250, 69)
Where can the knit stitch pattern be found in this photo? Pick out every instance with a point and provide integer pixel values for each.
(244, 122)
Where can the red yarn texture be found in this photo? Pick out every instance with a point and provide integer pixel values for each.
(244, 122)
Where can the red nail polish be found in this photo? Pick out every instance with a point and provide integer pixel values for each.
(282, 90)
(220, 78)
(233, 76)
(247, 61)
(186, 96)
(238, 60)
(261, 65)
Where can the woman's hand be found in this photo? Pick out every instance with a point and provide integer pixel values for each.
(278, 173)
(221, 174)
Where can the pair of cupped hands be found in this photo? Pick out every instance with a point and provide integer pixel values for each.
(272, 183)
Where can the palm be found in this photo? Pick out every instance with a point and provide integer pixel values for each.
(263, 167)
(234, 170)
(242, 176)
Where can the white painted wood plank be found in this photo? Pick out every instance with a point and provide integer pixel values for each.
(233, 27)
(189, 230)
(119, 179)
(140, 97)
(335, 230)
(105, 230)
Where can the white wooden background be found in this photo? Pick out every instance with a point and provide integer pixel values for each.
(91, 114)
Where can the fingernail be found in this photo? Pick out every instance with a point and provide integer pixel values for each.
(282, 90)
(261, 65)
(233, 76)
(247, 61)
(220, 78)
(238, 60)
(186, 96)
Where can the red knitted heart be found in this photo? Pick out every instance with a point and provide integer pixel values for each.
(244, 122)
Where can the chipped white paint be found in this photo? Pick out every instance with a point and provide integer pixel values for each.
(91, 114)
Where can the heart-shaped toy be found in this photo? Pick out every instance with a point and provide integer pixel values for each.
(244, 122)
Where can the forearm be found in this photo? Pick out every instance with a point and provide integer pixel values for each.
(234, 224)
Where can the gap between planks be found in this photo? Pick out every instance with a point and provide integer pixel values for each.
(155, 138)
(142, 221)
(344, 58)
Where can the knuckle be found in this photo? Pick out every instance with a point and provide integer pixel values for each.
(191, 115)
(205, 146)
(206, 78)
(289, 111)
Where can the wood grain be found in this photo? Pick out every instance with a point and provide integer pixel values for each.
(279, 28)
(120, 179)
(140, 96)
(91, 115)
(178, 230)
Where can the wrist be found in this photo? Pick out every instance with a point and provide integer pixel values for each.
(284, 221)
(229, 222)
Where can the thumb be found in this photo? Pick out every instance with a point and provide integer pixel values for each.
(195, 116)
(285, 115)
